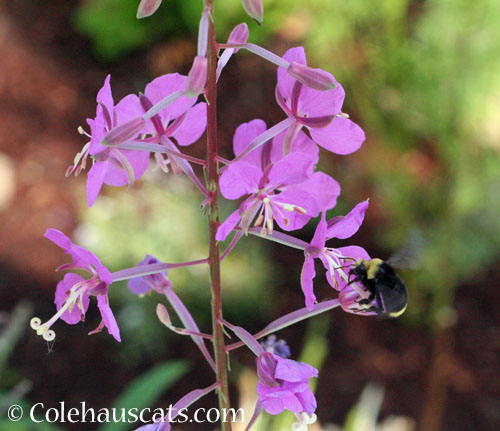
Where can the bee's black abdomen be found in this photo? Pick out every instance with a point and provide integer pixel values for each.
(385, 287)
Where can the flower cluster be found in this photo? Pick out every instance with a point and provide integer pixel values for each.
(273, 172)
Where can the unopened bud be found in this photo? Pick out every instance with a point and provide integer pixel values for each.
(313, 78)
(255, 9)
(124, 132)
(239, 35)
(147, 8)
(197, 77)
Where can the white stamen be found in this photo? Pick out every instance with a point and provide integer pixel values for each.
(35, 323)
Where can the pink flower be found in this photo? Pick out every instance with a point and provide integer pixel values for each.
(333, 259)
(280, 188)
(73, 292)
(319, 111)
(284, 385)
(182, 122)
(112, 166)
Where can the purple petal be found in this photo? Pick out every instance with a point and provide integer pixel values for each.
(95, 179)
(240, 178)
(164, 86)
(342, 136)
(59, 238)
(345, 227)
(243, 135)
(227, 227)
(75, 315)
(285, 81)
(97, 132)
(306, 282)
(308, 401)
(272, 405)
(315, 103)
(323, 188)
(192, 126)
(294, 371)
(295, 197)
(301, 144)
(319, 237)
(104, 95)
(108, 317)
(353, 251)
(292, 169)
(84, 258)
(128, 108)
(116, 176)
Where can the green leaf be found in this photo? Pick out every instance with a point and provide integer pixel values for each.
(146, 389)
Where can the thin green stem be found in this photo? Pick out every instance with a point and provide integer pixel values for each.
(213, 218)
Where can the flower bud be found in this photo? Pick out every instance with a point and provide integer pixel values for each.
(197, 77)
(147, 8)
(123, 132)
(239, 35)
(255, 9)
(313, 78)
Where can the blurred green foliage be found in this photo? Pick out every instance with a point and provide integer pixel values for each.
(144, 391)
(114, 31)
(423, 79)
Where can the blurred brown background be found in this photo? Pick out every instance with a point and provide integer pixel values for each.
(423, 80)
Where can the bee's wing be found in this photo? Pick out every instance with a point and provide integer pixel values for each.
(410, 255)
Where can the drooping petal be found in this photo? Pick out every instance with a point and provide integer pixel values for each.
(308, 401)
(306, 282)
(192, 126)
(341, 136)
(240, 178)
(228, 225)
(76, 314)
(95, 179)
(294, 371)
(108, 317)
(345, 227)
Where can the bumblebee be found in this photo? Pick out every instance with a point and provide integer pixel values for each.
(385, 287)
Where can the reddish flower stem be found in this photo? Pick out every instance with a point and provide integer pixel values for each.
(213, 218)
